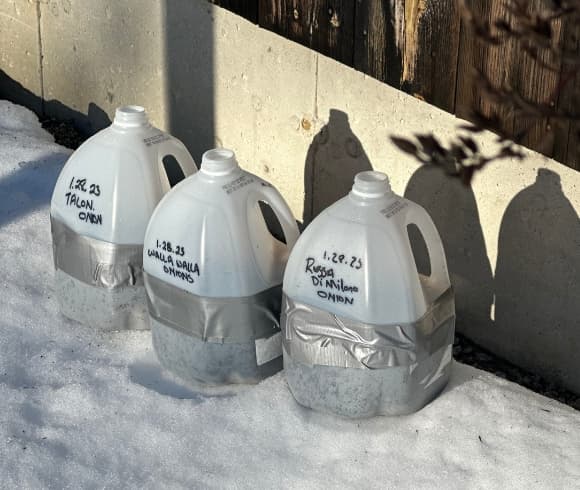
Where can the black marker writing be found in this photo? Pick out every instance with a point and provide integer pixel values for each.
(174, 266)
(319, 270)
(77, 200)
(329, 286)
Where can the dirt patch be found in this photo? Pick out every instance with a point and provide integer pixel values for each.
(64, 133)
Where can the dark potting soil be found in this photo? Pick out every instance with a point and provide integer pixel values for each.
(464, 350)
(64, 133)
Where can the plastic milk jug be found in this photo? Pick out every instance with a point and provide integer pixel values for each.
(363, 332)
(213, 274)
(100, 208)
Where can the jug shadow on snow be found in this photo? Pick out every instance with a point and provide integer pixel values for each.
(33, 419)
(29, 188)
(334, 157)
(537, 277)
(454, 211)
(148, 373)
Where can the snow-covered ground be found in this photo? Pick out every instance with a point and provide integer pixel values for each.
(80, 409)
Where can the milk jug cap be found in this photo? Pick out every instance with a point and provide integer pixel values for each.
(131, 116)
(371, 185)
(219, 161)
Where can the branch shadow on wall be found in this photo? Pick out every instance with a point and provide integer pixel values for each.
(537, 313)
(334, 157)
(453, 209)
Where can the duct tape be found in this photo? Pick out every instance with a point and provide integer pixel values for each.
(216, 320)
(96, 262)
(316, 337)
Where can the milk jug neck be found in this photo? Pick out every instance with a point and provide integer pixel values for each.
(370, 187)
(131, 116)
(219, 162)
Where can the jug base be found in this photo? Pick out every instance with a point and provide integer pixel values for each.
(360, 393)
(195, 360)
(122, 308)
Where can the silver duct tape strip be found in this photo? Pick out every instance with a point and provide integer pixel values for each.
(315, 337)
(95, 262)
(216, 320)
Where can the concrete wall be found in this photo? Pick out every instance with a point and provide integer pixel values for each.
(308, 124)
(20, 51)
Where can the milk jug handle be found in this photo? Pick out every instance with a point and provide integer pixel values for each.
(267, 193)
(439, 274)
(176, 148)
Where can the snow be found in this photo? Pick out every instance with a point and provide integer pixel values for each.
(83, 409)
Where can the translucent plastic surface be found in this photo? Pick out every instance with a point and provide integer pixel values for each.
(355, 260)
(103, 309)
(208, 237)
(110, 186)
(107, 191)
(195, 360)
(357, 393)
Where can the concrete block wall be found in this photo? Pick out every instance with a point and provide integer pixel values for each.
(308, 124)
(98, 55)
(20, 52)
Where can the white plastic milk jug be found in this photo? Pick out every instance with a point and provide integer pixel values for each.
(363, 332)
(213, 274)
(100, 208)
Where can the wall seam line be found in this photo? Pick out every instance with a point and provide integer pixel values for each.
(309, 206)
(40, 57)
(459, 49)
(316, 89)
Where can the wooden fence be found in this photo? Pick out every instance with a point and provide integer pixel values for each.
(424, 48)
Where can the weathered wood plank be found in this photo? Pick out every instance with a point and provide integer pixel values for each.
(573, 147)
(326, 26)
(410, 44)
(567, 135)
(426, 49)
(562, 129)
(246, 8)
(496, 62)
(538, 84)
(431, 49)
(507, 66)
(378, 25)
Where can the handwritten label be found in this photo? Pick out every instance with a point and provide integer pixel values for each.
(326, 277)
(155, 140)
(393, 209)
(338, 258)
(175, 264)
(82, 195)
(237, 184)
